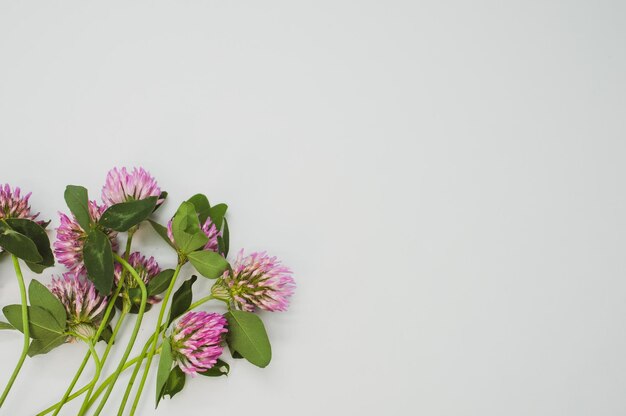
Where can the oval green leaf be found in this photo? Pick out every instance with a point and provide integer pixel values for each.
(202, 206)
(44, 346)
(186, 229)
(77, 200)
(160, 282)
(42, 324)
(247, 336)
(98, 258)
(208, 263)
(165, 365)
(38, 235)
(39, 295)
(181, 300)
(18, 244)
(123, 216)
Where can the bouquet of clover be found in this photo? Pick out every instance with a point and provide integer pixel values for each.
(80, 305)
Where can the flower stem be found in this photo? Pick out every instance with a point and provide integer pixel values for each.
(129, 387)
(94, 355)
(200, 302)
(131, 343)
(116, 329)
(103, 324)
(158, 330)
(26, 330)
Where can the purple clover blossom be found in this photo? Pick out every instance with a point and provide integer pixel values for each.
(208, 228)
(257, 281)
(83, 304)
(122, 186)
(14, 205)
(147, 269)
(68, 247)
(197, 341)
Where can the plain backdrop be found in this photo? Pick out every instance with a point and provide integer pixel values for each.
(445, 178)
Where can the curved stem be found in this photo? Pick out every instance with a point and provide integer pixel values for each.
(200, 302)
(116, 329)
(131, 343)
(103, 324)
(157, 331)
(25, 328)
(129, 387)
(95, 377)
(94, 355)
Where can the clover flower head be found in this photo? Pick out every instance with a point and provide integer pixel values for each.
(122, 186)
(15, 205)
(197, 341)
(83, 304)
(147, 269)
(208, 228)
(258, 281)
(68, 247)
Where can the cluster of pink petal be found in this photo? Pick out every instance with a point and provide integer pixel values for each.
(259, 281)
(147, 268)
(68, 247)
(197, 341)
(122, 186)
(13, 204)
(208, 228)
(83, 303)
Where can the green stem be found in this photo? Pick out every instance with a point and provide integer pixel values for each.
(157, 331)
(129, 387)
(116, 329)
(98, 392)
(94, 355)
(131, 343)
(103, 324)
(95, 377)
(200, 302)
(26, 330)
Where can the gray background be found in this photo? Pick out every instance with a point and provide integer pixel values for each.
(446, 179)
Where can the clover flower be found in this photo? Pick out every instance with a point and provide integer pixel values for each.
(122, 186)
(197, 341)
(208, 228)
(147, 269)
(256, 281)
(14, 205)
(68, 247)
(83, 304)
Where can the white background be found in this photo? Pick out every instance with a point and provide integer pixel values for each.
(446, 179)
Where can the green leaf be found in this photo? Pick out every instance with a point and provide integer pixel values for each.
(98, 258)
(208, 263)
(217, 214)
(160, 282)
(106, 334)
(235, 354)
(44, 346)
(18, 244)
(186, 229)
(165, 365)
(221, 368)
(162, 232)
(175, 383)
(246, 335)
(163, 197)
(6, 325)
(123, 216)
(39, 295)
(42, 324)
(77, 200)
(202, 206)
(181, 299)
(38, 235)
(225, 238)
